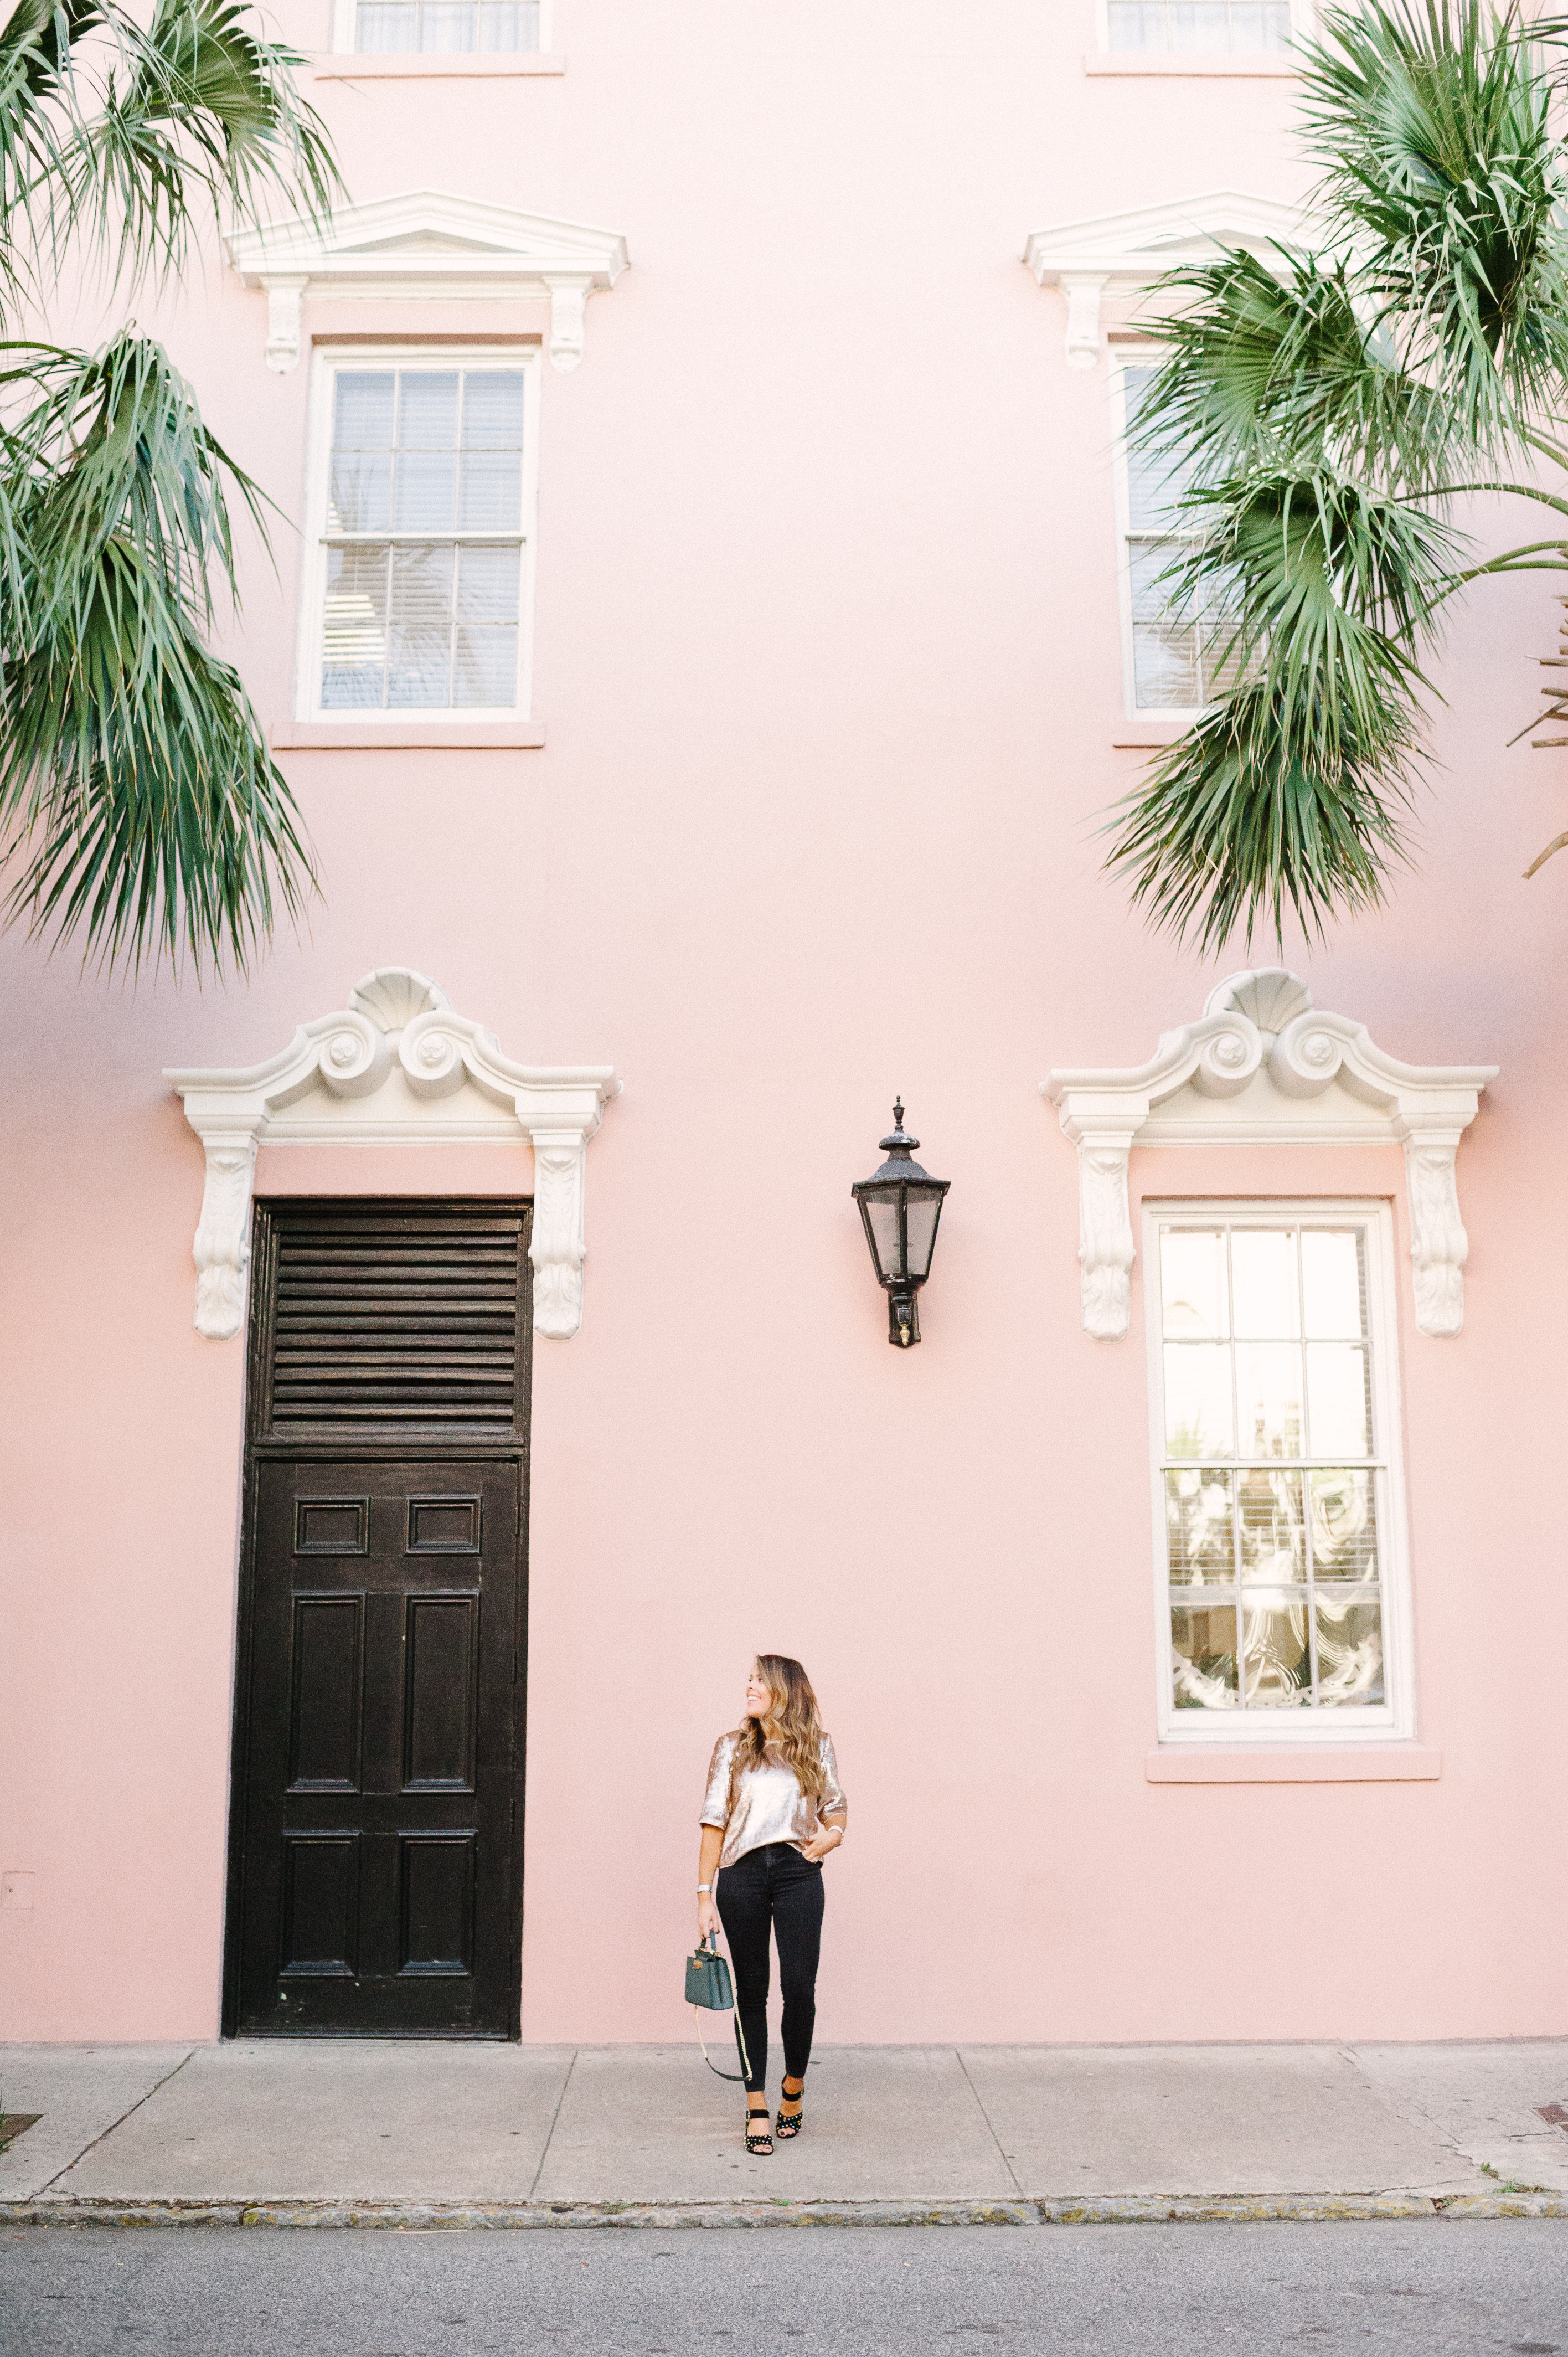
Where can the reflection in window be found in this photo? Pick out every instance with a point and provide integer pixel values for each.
(1219, 26)
(442, 26)
(1270, 1470)
(424, 538)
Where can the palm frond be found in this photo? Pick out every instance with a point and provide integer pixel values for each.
(1293, 792)
(1431, 119)
(136, 794)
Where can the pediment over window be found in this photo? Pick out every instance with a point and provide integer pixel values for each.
(427, 246)
(1264, 1066)
(1125, 252)
(397, 1066)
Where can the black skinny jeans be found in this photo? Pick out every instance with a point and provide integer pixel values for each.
(773, 1886)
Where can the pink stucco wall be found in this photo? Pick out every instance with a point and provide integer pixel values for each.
(827, 650)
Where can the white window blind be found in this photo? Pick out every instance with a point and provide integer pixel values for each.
(1271, 1468)
(424, 540)
(389, 27)
(1218, 25)
(1176, 656)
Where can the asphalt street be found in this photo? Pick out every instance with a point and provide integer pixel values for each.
(1499, 2288)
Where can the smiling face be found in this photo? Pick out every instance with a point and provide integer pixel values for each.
(758, 1697)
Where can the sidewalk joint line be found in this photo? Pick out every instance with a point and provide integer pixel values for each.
(963, 2066)
(120, 2123)
(550, 2131)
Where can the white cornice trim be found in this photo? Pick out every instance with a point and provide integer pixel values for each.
(1127, 251)
(395, 1067)
(1263, 1067)
(427, 246)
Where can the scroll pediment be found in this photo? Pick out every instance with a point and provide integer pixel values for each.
(1264, 1066)
(396, 1066)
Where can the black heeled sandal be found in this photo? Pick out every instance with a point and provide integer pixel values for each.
(790, 2122)
(758, 2140)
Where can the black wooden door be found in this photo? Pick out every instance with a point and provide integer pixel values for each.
(375, 1865)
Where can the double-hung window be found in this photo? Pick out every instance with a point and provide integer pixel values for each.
(443, 27)
(1278, 1507)
(1212, 27)
(423, 536)
(1172, 656)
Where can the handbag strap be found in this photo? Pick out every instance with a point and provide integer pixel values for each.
(742, 2077)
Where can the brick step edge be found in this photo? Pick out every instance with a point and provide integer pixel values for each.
(1106, 2209)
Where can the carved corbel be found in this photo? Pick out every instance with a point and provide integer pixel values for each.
(1083, 291)
(286, 298)
(1439, 1246)
(557, 1247)
(1105, 1247)
(568, 310)
(222, 1245)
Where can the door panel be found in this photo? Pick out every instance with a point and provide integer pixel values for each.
(379, 1850)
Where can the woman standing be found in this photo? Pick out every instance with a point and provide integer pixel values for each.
(774, 1811)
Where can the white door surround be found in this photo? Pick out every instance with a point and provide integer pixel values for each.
(395, 1067)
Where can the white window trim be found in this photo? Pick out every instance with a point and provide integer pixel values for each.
(1264, 1066)
(1394, 1719)
(345, 12)
(1303, 24)
(1141, 355)
(329, 360)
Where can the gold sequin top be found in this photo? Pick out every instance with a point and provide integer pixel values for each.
(769, 1805)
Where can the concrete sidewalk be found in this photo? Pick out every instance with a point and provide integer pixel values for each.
(331, 2131)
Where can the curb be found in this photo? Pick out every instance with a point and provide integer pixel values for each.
(1107, 2209)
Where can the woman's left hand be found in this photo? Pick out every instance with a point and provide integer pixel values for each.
(822, 1845)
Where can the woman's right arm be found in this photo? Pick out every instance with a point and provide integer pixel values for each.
(707, 1868)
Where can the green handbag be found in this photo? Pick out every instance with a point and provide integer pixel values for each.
(708, 1986)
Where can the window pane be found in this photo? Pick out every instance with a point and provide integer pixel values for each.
(427, 410)
(420, 638)
(1263, 1275)
(1166, 674)
(1268, 1399)
(355, 632)
(486, 667)
(362, 409)
(1137, 23)
(1331, 1276)
(1192, 1282)
(492, 409)
(1344, 1525)
(1277, 1653)
(1349, 1646)
(1197, 1399)
(1203, 1657)
(493, 490)
(446, 24)
(384, 27)
(359, 493)
(1199, 1542)
(427, 497)
(510, 24)
(1273, 1545)
(1339, 1422)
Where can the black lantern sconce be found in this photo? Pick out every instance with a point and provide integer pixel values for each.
(900, 1206)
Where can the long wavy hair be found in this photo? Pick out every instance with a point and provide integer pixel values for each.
(793, 1726)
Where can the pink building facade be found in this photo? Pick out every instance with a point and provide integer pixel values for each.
(713, 624)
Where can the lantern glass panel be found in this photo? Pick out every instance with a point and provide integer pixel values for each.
(922, 1232)
(882, 1210)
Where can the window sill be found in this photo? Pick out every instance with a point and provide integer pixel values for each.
(1370, 1763)
(1149, 735)
(466, 65)
(359, 735)
(1267, 65)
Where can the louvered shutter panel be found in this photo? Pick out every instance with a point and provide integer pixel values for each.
(400, 1315)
